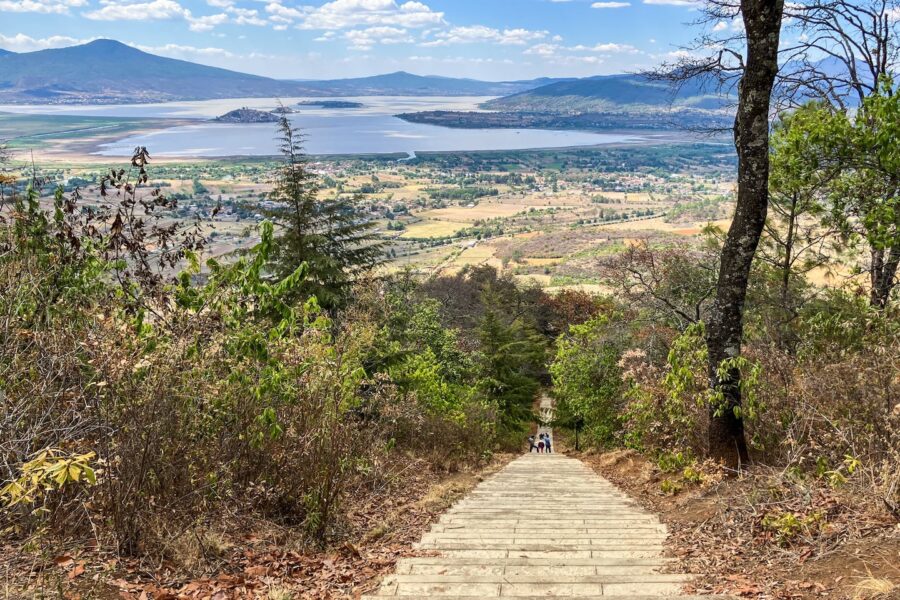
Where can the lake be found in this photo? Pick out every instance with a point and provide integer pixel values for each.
(372, 129)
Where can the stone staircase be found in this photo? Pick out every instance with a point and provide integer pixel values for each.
(544, 526)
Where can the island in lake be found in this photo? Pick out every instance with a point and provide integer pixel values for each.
(331, 104)
(248, 115)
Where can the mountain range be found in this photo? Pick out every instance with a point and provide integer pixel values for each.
(107, 71)
(612, 93)
(418, 85)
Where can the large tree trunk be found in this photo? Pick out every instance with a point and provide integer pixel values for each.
(883, 275)
(762, 22)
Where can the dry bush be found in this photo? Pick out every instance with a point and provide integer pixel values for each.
(833, 413)
(225, 397)
(446, 443)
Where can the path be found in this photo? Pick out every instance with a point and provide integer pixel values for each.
(545, 525)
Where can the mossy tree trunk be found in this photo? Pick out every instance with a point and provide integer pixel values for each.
(762, 21)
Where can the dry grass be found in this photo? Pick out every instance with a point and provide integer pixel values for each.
(873, 587)
(541, 280)
(432, 228)
(541, 262)
(627, 196)
(483, 210)
(474, 256)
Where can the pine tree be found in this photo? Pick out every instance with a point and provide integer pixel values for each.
(513, 354)
(331, 236)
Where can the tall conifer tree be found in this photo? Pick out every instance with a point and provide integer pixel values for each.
(332, 236)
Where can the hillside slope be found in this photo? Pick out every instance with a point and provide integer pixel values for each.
(402, 83)
(107, 71)
(611, 93)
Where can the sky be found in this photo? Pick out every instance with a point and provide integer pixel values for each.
(497, 40)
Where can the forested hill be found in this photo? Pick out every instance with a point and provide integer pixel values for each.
(107, 71)
(402, 83)
(612, 93)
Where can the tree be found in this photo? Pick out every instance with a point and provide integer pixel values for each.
(843, 49)
(866, 194)
(513, 357)
(674, 281)
(753, 57)
(587, 380)
(795, 240)
(331, 236)
(856, 155)
(762, 22)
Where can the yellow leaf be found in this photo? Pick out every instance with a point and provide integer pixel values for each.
(60, 478)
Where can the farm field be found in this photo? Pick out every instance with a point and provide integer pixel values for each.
(548, 220)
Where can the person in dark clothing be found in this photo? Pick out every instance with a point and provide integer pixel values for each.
(531, 445)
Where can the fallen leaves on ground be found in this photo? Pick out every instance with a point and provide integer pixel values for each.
(763, 535)
(264, 560)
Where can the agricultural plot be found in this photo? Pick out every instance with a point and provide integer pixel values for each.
(433, 228)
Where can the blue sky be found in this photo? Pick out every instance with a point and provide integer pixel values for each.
(484, 39)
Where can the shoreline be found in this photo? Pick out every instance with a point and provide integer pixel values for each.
(84, 152)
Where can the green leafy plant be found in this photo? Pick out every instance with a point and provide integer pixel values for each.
(787, 526)
(50, 470)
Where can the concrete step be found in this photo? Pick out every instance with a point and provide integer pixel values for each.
(548, 562)
(552, 554)
(555, 577)
(544, 526)
(464, 588)
(597, 597)
(612, 529)
(527, 548)
(549, 521)
(513, 539)
(488, 569)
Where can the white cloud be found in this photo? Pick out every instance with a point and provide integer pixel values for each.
(207, 22)
(166, 10)
(459, 60)
(154, 10)
(609, 48)
(285, 12)
(23, 43)
(543, 50)
(245, 16)
(610, 4)
(40, 6)
(346, 14)
(185, 52)
(365, 39)
(580, 55)
(481, 34)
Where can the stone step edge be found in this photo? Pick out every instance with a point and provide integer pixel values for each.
(560, 597)
(535, 562)
(540, 579)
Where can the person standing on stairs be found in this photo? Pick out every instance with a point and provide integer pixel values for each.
(547, 443)
(531, 446)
